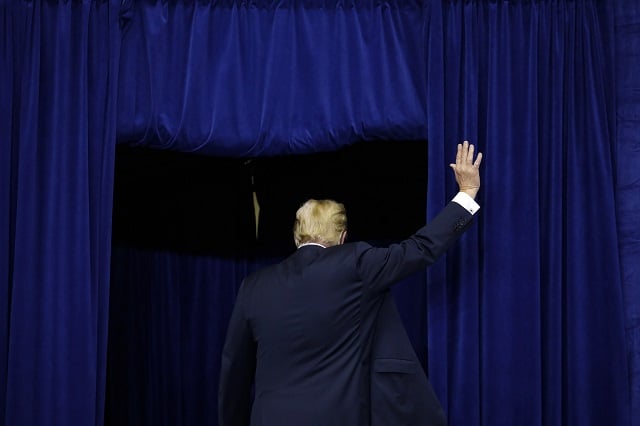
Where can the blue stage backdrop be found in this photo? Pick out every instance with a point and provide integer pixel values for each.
(627, 61)
(59, 73)
(532, 319)
(529, 328)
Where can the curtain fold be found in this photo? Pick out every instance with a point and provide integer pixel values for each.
(528, 328)
(7, 77)
(56, 189)
(250, 79)
(627, 43)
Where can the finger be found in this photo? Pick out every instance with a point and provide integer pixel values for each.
(470, 154)
(453, 166)
(459, 154)
(464, 152)
(478, 160)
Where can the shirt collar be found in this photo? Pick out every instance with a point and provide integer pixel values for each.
(311, 244)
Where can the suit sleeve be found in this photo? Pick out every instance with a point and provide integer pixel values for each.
(237, 368)
(382, 267)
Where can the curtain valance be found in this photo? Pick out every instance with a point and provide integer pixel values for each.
(251, 81)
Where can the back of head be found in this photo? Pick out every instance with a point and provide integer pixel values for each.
(320, 221)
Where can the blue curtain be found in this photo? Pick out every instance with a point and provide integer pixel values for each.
(526, 322)
(258, 78)
(167, 327)
(7, 77)
(59, 74)
(627, 42)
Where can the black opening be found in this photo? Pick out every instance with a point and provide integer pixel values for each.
(182, 202)
(194, 203)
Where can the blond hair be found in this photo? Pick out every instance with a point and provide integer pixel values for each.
(320, 221)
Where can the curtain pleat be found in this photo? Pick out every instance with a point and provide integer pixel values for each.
(627, 54)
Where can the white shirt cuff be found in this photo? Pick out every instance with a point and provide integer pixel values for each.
(467, 202)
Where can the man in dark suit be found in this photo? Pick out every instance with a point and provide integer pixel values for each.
(305, 344)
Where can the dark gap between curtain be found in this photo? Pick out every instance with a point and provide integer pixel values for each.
(194, 203)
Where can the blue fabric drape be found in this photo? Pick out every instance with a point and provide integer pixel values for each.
(265, 78)
(6, 101)
(56, 176)
(167, 327)
(627, 42)
(529, 326)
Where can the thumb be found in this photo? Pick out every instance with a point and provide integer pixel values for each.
(453, 166)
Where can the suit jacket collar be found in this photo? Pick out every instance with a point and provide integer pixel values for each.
(305, 255)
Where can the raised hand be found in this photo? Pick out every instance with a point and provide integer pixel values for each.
(467, 170)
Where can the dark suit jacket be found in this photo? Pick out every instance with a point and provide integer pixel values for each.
(303, 331)
(401, 395)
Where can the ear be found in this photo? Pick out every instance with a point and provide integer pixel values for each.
(343, 236)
